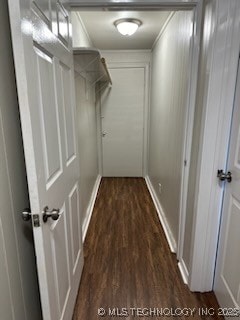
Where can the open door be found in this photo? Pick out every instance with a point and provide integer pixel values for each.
(44, 71)
(227, 277)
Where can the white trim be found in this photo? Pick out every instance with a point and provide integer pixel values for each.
(90, 207)
(148, 118)
(99, 131)
(162, 217)
(169, 18)
(83, 26)
(216, 123)
(189, 123)
(184, 272)
(147, 74)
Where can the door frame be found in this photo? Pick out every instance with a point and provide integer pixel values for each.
(215, 133)
(121, 65)
(188, 135)
(196, 6)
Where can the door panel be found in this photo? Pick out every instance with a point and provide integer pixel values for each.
(68, 115)
(75, 225)
(232, 254)
(49, 116)
(61, 262)
(227, 279)
(237, 157)
(122, 111)
(44, 7)
(63, 24)
(44, 71)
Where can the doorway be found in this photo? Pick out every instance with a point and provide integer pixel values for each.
(163, 145)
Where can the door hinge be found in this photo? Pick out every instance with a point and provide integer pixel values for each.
(185, 163)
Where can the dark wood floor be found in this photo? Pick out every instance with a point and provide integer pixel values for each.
(128, 263)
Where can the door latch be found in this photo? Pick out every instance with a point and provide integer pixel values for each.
(224, 176)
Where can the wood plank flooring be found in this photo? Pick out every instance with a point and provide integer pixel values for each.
(128, 263)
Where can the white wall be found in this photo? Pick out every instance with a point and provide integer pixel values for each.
(19, 299)
(87, 141)
(170, 63)
(126, 56)
(80, 36)
(87, 130)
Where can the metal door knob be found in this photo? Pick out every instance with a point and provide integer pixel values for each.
(224, 176)
(104, 133)
(26, 214)
(53, 214)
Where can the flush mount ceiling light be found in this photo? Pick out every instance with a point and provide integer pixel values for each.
(127, 27)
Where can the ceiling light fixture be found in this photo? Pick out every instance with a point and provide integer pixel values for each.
(127, 27)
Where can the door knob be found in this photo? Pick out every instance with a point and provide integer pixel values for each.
(224, 176)
(104, 134)
(54, 214)
(26, 214)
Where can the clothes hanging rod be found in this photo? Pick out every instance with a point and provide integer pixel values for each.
(106, 68)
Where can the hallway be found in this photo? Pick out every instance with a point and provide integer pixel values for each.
(128, 263)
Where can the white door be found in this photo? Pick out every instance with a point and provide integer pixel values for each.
(122, 109)
(227, 279)
(44, 71)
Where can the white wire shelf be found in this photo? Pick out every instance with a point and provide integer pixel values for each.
(89, 63)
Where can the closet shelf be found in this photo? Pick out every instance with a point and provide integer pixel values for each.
(89, 63)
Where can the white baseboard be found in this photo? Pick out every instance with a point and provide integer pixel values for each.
(183, 270)
(168, 233)
(90, 207)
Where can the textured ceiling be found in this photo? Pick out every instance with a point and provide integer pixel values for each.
(104, 35)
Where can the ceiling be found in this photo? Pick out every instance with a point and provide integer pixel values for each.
(104, 35)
